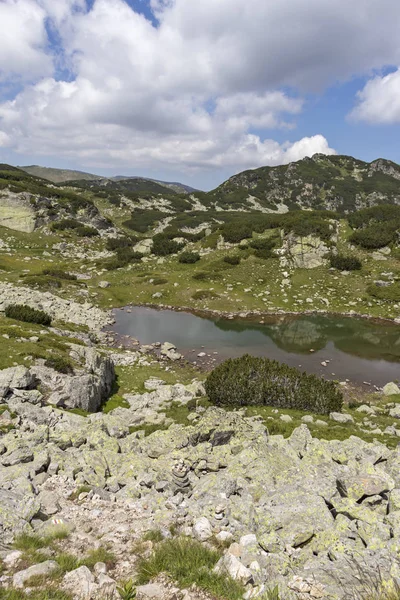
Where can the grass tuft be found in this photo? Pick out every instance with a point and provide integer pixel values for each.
(189, 563)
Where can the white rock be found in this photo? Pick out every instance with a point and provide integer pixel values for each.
(235, 569)
(202, 529)
(341, 417)
(390, 389)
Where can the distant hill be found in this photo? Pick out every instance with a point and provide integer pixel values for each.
(68, 175)
(59, 175)
(339, 183)
(175, 186)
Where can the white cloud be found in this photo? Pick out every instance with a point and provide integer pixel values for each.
(201, 90)
(379, 100)
(23, 41)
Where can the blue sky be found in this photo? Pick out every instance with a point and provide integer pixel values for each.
(197, 91)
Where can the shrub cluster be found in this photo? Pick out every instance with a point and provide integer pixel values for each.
(81, 230)
(86, 231)
(263, 247)
(142, 219)
(163, 245)
(375, 236)
(21, 312)
(65, 224)
(189, 258)
(376, 226)
(113, 244)
(124, 256)
(249, 381)
(232, 259)
(59, 274)
(345, 263)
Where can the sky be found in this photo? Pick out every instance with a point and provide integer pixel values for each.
(197, 90)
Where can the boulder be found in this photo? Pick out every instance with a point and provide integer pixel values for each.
(390, 389)
(15, 378)
(42, 569)
(202, 529)
(341, 417)
(80, 582)
(232, 566)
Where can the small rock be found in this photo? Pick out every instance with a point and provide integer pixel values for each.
(202, 529)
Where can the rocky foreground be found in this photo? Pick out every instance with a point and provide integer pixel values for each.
(319, 518)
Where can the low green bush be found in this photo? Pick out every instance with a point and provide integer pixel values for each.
(201, 276)
(21, 312)
(43, 282)
(375, 236)
(65, 224)
(163, 245)
(124, 256)
(189, 258)
(237, 231)
(113, 244)
(232, 259)
(59, 274)
(204, 295)
(86, 231)
(263, 247)
(389, 293)
(60, 364)
(249, 381)
(345, 263)
(159, 281)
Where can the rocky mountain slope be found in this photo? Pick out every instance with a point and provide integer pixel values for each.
(339, 183)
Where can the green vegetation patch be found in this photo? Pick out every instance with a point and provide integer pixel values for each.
(21, 312)
(345, 263)
(189, 257)
(249, 381)
(189, 562)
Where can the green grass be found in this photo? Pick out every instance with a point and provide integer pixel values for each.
(153, 535)
(50, 593)
(188, 563)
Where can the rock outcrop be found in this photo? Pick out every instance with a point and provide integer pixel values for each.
(58, 308)
(303, 252)
(16, 212)
(87, 388)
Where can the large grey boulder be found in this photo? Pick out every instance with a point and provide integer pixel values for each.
(15, 378)
(17, 509)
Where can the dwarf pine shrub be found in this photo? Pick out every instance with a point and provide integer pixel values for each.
(189, 258)
(253, 381)
(232, 259)
(345, 263)
(21, 312)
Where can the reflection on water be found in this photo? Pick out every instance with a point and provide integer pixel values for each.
(357, 349)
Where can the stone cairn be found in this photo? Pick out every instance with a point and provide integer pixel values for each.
(180, 478)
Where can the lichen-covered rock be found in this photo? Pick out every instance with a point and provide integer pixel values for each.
(16, 212)
(306, 252)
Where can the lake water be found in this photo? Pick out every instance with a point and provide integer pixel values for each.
(356, 349)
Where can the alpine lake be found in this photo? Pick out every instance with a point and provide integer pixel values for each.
(362, 351)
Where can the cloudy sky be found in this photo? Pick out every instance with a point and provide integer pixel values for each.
(196, 90)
